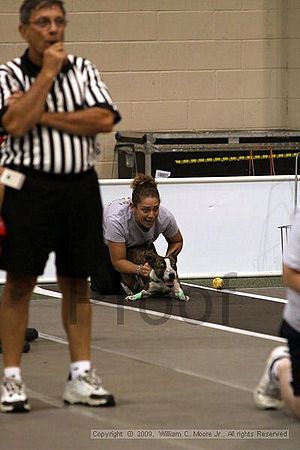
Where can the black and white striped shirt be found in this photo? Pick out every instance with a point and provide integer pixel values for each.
(77, 86)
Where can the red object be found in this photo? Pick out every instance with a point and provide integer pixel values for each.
(2, 229)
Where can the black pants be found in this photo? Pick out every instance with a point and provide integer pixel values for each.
(106, 280)
(293, 338)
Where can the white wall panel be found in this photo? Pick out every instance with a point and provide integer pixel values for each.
(228, 224)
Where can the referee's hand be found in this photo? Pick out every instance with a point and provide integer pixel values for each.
(54, 57)
(14, 97)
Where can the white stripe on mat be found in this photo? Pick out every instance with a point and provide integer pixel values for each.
(238, 293)
(48, 293)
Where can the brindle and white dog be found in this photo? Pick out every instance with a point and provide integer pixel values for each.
(163, 278)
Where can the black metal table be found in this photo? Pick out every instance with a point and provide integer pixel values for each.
(207, 153)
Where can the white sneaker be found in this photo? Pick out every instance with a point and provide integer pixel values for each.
(267, 392)
(13, 396)
(87, 390)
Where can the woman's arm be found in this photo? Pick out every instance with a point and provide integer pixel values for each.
(175, 244)
(117, 251)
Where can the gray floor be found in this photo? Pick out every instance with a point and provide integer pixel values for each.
(165, 376)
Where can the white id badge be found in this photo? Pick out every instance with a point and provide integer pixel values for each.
(12, 178)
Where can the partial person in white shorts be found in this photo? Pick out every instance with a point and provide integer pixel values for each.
(280, 382)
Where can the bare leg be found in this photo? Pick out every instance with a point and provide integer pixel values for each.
(14, 316)
(76, 315)
(286, 390)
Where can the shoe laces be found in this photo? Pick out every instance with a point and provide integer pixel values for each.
(13, 386)
(91, 378)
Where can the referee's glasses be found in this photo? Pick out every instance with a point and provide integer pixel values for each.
(45, 22)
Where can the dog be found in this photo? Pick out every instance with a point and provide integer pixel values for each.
(163, 278)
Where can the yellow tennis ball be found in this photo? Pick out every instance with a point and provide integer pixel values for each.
(218, 283)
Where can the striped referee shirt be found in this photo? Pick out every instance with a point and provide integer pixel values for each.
(77, 86)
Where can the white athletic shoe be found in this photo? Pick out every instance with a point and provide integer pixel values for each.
(87, 390)
(13, 396)
(267, 392)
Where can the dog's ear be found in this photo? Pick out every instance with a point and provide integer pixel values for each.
(173, 256)
(150, 257)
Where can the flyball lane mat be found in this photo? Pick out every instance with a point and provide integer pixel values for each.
(217, 307)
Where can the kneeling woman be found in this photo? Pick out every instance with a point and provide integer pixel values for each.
(130, 222)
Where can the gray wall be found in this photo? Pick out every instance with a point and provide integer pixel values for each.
(185, 64)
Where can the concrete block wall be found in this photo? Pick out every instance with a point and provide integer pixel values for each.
(185, 64)
(293, 65)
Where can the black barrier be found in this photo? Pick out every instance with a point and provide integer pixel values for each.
(207, 154)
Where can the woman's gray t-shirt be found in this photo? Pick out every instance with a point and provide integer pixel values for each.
(119, 224)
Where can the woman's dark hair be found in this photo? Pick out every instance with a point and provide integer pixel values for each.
(143, 186)
(30, 5)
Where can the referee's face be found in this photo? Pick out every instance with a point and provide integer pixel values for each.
(45, 27)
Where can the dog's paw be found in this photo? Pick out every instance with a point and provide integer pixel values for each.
(133, 297)
(182, 297)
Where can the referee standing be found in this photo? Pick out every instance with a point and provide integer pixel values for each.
(52, 105)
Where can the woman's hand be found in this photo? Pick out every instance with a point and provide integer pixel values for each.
(144, 270)
(120, 262)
